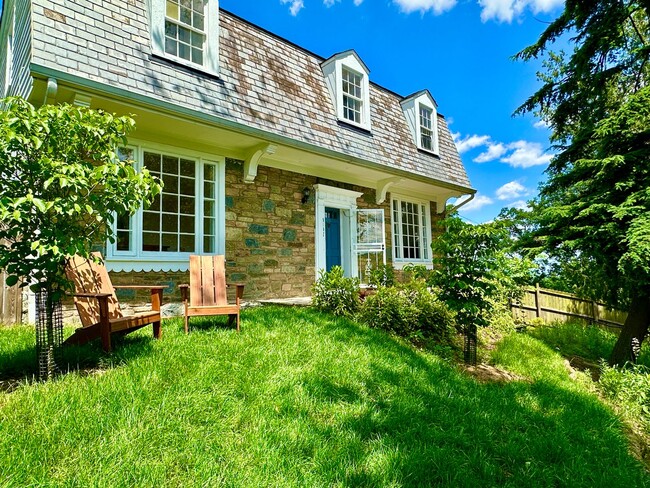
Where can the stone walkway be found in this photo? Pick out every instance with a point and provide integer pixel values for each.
(288, 302)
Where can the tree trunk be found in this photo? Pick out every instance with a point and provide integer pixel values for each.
(634, 331)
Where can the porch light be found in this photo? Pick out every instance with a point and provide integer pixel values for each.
(306, 195)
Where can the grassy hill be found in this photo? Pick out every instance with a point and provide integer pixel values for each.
(301, 399)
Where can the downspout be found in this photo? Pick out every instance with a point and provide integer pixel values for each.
(50, 92)
(456, 207)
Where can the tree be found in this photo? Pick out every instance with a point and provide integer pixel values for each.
(475, 270)
(595, 205)
(61, 184)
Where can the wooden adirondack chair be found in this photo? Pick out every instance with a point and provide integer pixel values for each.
(207, 290)
(98, 307)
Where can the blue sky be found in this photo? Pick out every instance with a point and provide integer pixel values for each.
(461, 51)
(458, 49)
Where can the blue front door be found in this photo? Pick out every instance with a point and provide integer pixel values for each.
(332, 237)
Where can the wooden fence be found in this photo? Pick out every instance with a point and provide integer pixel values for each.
(551, 305)
(11, 302)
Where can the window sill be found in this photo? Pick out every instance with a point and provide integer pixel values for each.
(357, 127)
(429, 152)
(185, 65)
(401, 264)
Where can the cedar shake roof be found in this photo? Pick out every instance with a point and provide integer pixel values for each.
(280, 87)
(265, 83)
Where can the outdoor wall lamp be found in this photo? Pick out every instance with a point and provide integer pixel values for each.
(306, 195)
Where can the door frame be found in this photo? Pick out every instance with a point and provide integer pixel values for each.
(346, 202)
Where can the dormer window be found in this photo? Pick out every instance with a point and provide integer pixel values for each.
(185, 29)
(352, 96)
(187, 32)
(347, 79)
(422, 118)
(426, 128)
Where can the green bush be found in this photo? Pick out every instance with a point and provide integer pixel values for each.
(382, 275)
(335, 293)
(629, 389)
(408, 310)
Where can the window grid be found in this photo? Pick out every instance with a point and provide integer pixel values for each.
(426, 128)
(209, 208)
(169, 224)
(352, 95)
(123, 226)
(410, 231)
(185, 29)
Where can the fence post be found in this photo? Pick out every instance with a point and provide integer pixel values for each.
(594, 311)
(538, 302)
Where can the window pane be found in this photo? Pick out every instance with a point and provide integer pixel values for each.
(150, 241)
(186, 16)
(172, 10)
(170, 223)
(197, 56)
(152, 162)
(184, 51)
(188, 168)
(197, 21)
(187, 206)
(170, 165)
(187, 225)
(170, 242)
(208, 189)
(187, 243)
(209, 208)
(208, 226)
(187, 186)
(151, 221)
(123, 240)
(169, 203)
(170, 183)
(209, 172)
(155, 205)
(208, 245)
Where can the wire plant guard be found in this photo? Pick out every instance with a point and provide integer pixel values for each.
(469, 349)
(49, 334)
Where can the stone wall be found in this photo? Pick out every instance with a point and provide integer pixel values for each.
(270, 242)
(270, 239)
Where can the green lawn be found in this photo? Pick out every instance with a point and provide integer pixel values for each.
(301, 399)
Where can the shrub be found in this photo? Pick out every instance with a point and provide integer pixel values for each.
(382, 275)
(628, 389)
(335, 293)
(408, 310)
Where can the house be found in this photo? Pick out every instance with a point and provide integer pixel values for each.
(285, 161)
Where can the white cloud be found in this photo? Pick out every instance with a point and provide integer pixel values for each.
(295, 7)
(469, 142)
(437, 6)
(509, 10)
(358, 2)
(519, 204)
(541, 124)
(494, 151)
(526, 154)
(477, 203)
(511, 190)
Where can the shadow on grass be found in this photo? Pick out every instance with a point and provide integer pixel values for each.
(414, 421)
(18, 364)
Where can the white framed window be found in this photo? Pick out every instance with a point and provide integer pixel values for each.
(426, 128)
(422, 118)
(351, 83)
(346, 77)
(411, 231)
(187, 31)
(187, 217)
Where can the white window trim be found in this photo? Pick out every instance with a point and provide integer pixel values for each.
(434, 127)
(134, 260)
(399, 263)
(211, 28)
(365, 95)
(9, 49)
